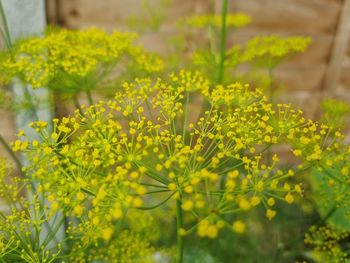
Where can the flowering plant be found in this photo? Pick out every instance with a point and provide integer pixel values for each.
(115, 156)
(169, 163)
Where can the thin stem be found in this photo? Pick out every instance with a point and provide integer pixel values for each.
(12, 154)
(179, 224)
(222, 41)
(327, 216)
(35, 116)
(157, 205)
(89, 97)
(185, 117)
(271, 85)
(6, 34)
(76, 102)
(271, 99)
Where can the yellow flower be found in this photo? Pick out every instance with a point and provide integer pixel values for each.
(270, 214)
(205, 229)
(107, 233)
(297, 152)
(48, 150)
(78, 210)
(117, 212)
(244, 204)
(255, 200)
(271, 201)
(289, 198)
(212, 231)
(54, 206)
(80, 196)
(345, 171)
(239, 227)
(187, 205)
(172, 186)
(96, 220)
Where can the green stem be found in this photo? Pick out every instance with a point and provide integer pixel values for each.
(271, 99)
(157, 205)
(185, 117)
(12, 154)
(222, 41)
(29, 97)
(88, 94)
(271, 85)
(6, 32)
(76, 102)
(327, 216)
(179, 224)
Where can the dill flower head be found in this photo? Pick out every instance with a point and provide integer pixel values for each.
(74, 60)
(151, 140)
(25, 221)
(269, 51)
(33, 230)
(128, 247)
(327, 243)
(233, 20)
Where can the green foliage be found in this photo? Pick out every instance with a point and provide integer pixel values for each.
(332, 194)
(327, 244)
(335, 113)
(151, 17)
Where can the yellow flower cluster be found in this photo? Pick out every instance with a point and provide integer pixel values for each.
(326, 243)
(122, 244)
(235, 20)
(265, 52)
(109, 157)
(33, 231)
(74, 60)
(128, 247)
(270, 50)
(78, 183)
(24, 222)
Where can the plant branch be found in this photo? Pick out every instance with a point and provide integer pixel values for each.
(222, 42)
(12, 154)
(179, 226)
(89, 97)
(6, 33)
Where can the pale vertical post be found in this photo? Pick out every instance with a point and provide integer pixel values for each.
(28, 18)
(338, 54)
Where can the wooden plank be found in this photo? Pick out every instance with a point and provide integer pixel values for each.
(111, 14)
(297, 16)
(338, 52)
